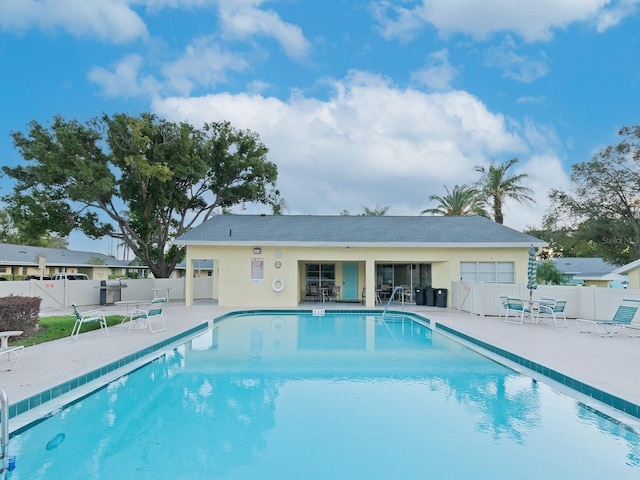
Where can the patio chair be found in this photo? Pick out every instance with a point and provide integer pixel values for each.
(148, 317)
(334, 293)
(608, 328)
(503, 305)
(87, 317)
(314, 293)
(407, 294)
(10, 351)
(552, 308)
(517, 306)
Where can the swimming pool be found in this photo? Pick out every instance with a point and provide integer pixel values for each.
(346, 395)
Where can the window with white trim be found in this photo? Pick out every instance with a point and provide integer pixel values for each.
(488, 272)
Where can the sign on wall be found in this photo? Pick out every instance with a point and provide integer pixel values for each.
(257, 270)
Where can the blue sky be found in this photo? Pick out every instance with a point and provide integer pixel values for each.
(361, 103)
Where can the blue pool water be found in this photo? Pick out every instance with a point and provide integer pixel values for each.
(340, 396)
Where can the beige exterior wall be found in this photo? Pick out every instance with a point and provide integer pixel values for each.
(233, 268)
(597, 283)
(633, 277)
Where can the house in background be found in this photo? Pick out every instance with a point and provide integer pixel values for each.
(18, 262)
(201, 269)
(632, 271)
(281, 260)
(589, 272)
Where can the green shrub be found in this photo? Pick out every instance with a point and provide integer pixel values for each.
(19, 313)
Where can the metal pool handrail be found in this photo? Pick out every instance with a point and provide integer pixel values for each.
(4, 432)
(393, 294)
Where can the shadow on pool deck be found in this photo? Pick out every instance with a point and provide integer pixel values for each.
(608, 364)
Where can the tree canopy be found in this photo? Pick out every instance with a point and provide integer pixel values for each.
(603, 210)
(141, 180)
(496, 186)
(14, 234)
(461, 201)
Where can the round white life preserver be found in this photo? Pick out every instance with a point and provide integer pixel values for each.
(277, 285)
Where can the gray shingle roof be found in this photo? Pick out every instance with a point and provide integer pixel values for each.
(24, 255)
(587, 267)
(354, 230)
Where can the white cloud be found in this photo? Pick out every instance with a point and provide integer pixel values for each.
(203, 64)
(438, 74)
(533, 21)
(610, 17)
(545, 172)
(372, 143)
(242, 19)
(124, 79)
(516, 66)
(111, 21)
(115, 21)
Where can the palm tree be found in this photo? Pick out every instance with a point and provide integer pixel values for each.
(378, 211)
(462, 201)
(496, 186)
(548, 272)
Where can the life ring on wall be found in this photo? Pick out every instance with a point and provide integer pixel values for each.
(277, 285)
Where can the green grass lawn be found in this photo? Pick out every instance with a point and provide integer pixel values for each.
(52, 328)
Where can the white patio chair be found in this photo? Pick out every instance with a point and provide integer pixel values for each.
(148, 317)
(503, 305)
(516, 306)
(87, 317)
(552, 308)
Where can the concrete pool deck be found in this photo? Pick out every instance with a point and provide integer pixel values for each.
(607, 364)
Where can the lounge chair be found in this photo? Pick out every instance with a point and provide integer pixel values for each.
(10, 351)
(503, 305)
(86, 317)
(154, 313)
(608, 328)
(517, 306)
(552, 308)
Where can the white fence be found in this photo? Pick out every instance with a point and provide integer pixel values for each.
(582, 302)
(62, 293)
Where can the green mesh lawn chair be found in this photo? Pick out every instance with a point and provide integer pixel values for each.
(516, 307)
(608, 328)
(552, 308)
(87, 317)
(152, 318)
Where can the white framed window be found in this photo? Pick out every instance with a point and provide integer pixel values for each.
(488, 272)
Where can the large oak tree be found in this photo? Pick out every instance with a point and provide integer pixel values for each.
(141, 180)
(603, 209)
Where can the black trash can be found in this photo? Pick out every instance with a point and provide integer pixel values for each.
(430, 294)
(419, 296)
(441, 297)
